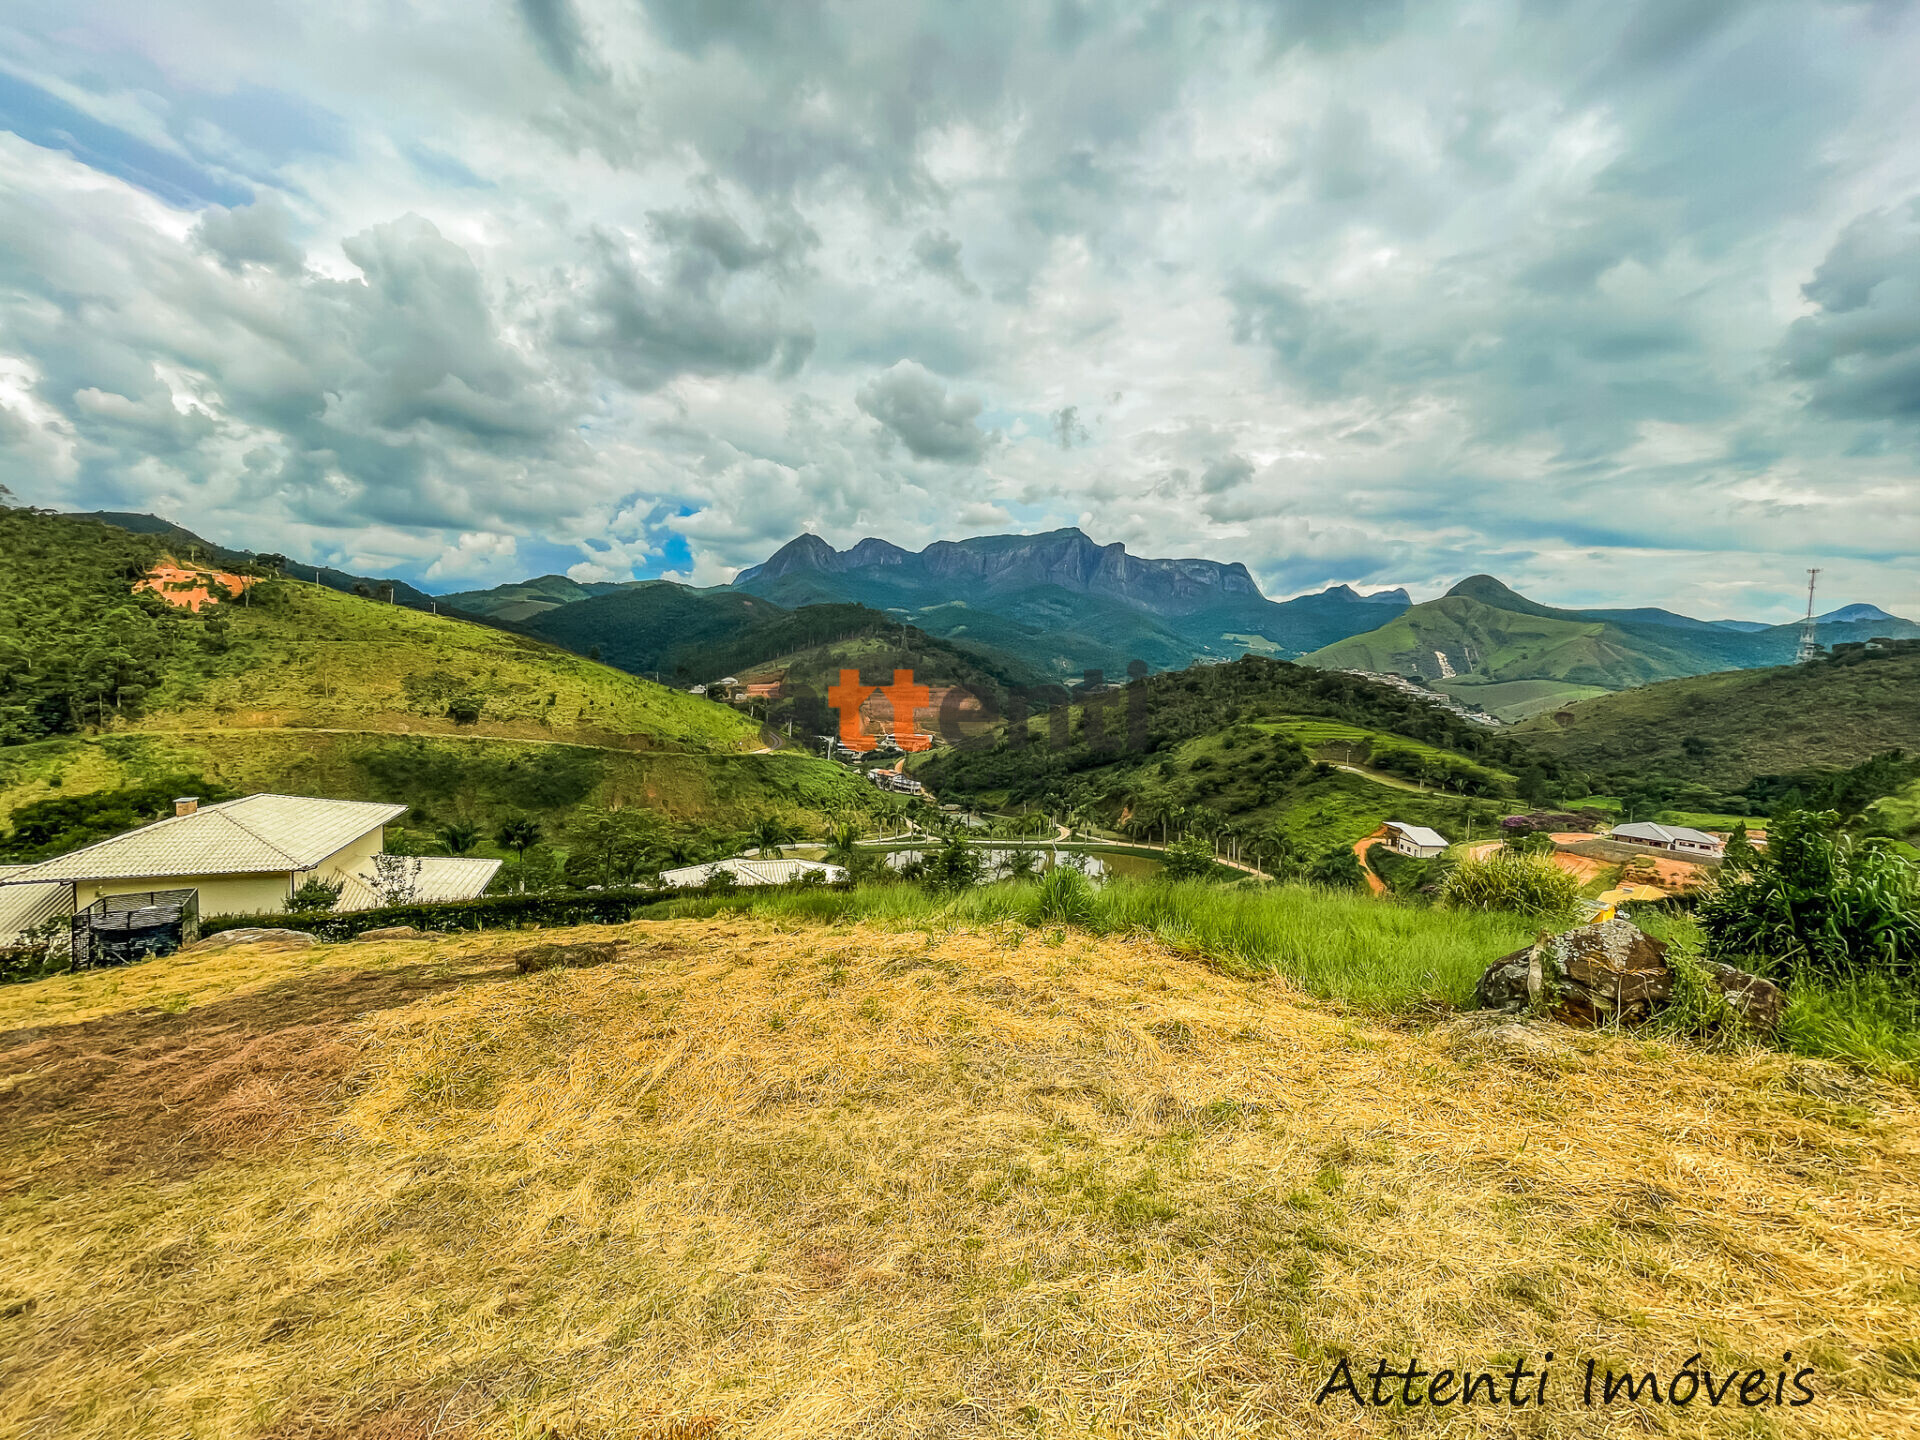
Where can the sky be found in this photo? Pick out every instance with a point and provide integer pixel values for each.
(1618, 302)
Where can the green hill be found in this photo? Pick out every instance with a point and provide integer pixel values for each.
(1476, 635)
(1725, 730)
(1257, 745)
(684, 636)
(1480, 640)
(302, 688)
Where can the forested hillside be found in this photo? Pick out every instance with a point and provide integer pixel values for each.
(1246, 744)
(297, 687)
(1725, 731)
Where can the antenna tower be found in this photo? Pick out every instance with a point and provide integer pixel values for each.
(1809, 646)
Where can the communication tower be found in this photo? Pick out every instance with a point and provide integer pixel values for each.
(1809, 647)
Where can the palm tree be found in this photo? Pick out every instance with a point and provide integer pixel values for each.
(768, 834)
(459, 837)
(844, 834)
(517, 833)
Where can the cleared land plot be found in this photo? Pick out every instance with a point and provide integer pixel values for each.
(1515, 700)
(836, 1181)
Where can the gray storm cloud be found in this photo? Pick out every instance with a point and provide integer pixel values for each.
(1620, 298)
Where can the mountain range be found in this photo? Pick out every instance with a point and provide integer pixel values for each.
(1053, 606)
(1485, 645)
(1065, 604)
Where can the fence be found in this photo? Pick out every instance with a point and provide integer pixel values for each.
(120, 929)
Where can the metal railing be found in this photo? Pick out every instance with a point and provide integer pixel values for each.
(120, 929)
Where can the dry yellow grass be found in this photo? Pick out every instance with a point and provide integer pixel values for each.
(852, 1182)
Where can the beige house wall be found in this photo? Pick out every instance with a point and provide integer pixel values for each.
(354, 859)
(257, 894)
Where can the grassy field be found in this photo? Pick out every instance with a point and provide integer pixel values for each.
(758, 1177)
(1337, 946)
(1330, 739)
(320, 659)
(1897, 814)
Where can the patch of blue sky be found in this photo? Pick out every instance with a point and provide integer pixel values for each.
(436, 164)
(44, 119)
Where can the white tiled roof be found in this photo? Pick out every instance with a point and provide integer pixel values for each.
(1663, 834)
(1419, 834)
(439, 878)
(235, 837)
(24, 906)
(752, 872)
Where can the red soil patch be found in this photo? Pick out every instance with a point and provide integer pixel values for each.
(190, 589)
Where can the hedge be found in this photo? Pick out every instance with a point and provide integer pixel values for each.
(489, 912)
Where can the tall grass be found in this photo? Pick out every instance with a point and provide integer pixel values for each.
(1352, 948)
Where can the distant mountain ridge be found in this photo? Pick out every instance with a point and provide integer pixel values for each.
(1482, 639)
(1064, 603)
(1064, 558)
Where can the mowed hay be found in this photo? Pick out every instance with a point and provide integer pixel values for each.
(837, 1181)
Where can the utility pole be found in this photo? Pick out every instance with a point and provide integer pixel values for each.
(1809, 646)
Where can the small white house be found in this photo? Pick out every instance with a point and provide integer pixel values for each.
(1414, 840)
(753, 872)
(1677, 839)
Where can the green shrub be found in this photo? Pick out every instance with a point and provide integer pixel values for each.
(315, 896)
(1064, 896)
(1528, 885)
(1814, 901)
(1339, 869)
(1189, 858)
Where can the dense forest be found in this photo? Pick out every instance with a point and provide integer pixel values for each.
(1185, 704)
(77, 646)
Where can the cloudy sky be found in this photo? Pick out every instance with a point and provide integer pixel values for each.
(1619, 303)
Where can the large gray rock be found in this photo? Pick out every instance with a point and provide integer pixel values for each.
(254, 935)
(1614, 973)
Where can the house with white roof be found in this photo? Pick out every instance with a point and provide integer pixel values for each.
(753, 872)
(1676, 838)
(239, 857)
(1414, 840)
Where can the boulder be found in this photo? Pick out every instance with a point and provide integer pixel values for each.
(397, 932)
(262, 937)
(1504, 986)
(1613, 973)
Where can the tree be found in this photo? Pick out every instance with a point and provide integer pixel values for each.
(768, 834)
(459, 837)
(1189, 858)
(395, 878)
(315, 894)
(1338, 869)
(953, 867)
(842, 838)
(1533, 785)
(517, 834)
(615, 847)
